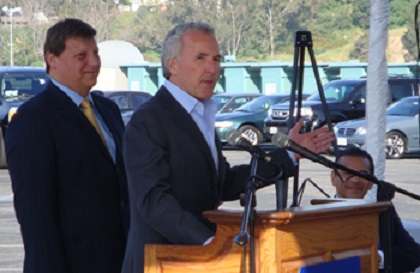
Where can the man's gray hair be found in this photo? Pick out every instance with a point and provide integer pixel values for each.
(171, 47)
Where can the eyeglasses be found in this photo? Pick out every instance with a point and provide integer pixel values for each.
(344, 177)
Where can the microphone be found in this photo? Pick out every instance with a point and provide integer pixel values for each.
(283, 141)
(236, 139)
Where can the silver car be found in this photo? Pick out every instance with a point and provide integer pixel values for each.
(402, 129)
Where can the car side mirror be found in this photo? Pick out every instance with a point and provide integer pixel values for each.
(358, 101)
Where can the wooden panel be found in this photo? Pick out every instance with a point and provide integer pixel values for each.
(221, 255)
(284, 241)
(330, 239)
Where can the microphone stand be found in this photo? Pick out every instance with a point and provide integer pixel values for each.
(281, 193)
(242, 238)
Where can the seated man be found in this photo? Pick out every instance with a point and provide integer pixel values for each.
(405, 252)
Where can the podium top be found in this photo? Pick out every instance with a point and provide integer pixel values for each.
(322, 208)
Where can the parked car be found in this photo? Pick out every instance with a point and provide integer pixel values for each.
(17, 85)
(227, 102)
(126, 100)
(247, 119)
(345, 99)
(402, 129)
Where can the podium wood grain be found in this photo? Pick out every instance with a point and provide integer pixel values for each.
(284, 241)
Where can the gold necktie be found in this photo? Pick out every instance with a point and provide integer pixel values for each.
(87, 110)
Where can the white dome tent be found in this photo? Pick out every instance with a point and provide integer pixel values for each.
(115, 53)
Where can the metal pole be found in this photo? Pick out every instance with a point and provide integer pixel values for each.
(11, 36)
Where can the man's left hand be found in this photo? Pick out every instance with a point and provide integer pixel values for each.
(317, 141)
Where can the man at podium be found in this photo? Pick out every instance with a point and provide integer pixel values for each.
(174, 161)
(405, 252)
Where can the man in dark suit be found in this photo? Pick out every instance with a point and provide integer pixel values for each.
(405, 252)
(67, 175)
(174, 162)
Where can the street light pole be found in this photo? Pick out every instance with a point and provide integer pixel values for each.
(11, 36)
(10, 12)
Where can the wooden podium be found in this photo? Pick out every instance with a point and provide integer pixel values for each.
(284, 240)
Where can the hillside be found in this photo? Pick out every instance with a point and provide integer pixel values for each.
(395, 49)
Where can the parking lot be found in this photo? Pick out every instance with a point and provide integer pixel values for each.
(404, 173)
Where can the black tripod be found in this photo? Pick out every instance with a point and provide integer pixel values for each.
(303, 39)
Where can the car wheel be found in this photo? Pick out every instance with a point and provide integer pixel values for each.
(395, 145)
(251, 133)
(3, 163)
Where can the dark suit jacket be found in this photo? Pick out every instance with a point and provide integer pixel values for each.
(172, 178)
(70, 198)
(405, 251)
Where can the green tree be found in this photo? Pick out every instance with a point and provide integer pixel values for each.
(4, 47)
(124, 2)
(361, 47)
(410, 38)
(231, 23)
(361, 14)
(398, 14)
(335, 15)
(361, 19)
(101, 14)
(149, 29)
(252, 30)
(409, 41)
(230, 20)
(271, 21)
(151, 23)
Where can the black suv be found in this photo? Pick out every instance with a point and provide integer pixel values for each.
(345, 99)
(17, 85)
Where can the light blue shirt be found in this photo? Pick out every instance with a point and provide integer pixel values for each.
(77, 99)
(203, 113)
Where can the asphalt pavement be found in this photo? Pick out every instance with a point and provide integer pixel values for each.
(404, 173)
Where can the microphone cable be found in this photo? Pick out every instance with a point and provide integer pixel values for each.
(298, 197)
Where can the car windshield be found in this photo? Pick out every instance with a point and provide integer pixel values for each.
(23, 84)
(220, 101)
(259, 104)
(405, 107)
(335, 91)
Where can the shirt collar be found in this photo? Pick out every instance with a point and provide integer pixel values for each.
(186, 100)
(73, 95)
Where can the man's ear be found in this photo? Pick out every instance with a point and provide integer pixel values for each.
(173, 66)
(51, 59)
(333, 175)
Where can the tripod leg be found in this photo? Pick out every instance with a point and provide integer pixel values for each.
(322, 95)
(297, 84)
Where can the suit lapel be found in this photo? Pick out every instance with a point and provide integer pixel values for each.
(70, 112)
(186, 123)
